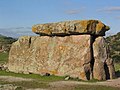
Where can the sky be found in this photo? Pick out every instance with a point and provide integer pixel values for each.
(18, 16)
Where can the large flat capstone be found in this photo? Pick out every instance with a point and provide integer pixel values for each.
(93, 27)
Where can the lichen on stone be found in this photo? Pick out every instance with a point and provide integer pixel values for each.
(93, 27)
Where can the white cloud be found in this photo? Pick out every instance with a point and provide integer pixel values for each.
(111, 9)
(118, 17)
(72, 11)
(75, 11)
(16, 31)
(15, 28)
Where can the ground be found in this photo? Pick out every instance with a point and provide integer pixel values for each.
(35, 84)
(12, 81)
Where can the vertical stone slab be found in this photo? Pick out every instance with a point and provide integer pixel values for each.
(74, 55)
(102, 70)
(110, 65)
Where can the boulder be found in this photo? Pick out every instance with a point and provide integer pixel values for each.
(93, 27)
(67, 78)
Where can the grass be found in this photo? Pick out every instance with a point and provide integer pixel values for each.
(3, 57)
(37, 82)
(43, 82)
(47, 78)
(88, 81)
(33, 76)
(43, 78)
(94, 87)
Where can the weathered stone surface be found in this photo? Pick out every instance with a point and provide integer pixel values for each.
(93, 27)
(103, 65)
(69, 55)
(71, 48)
(61, 56)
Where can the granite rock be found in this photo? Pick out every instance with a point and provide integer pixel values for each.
(73, 48)
(60, 56)
(93, 27)
(103, 64)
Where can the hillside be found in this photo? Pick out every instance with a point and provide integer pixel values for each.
(5, 43)
(114, 43)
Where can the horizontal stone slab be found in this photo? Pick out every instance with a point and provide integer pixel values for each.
(76, 27)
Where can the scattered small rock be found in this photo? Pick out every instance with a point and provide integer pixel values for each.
(4, 67)
(67, 78)
(45, 74)
(8, 87)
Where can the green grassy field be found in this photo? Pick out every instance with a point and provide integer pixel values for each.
(44, 81)
(33, 76)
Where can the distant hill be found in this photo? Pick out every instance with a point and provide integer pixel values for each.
(5, 43)
(114, 43)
